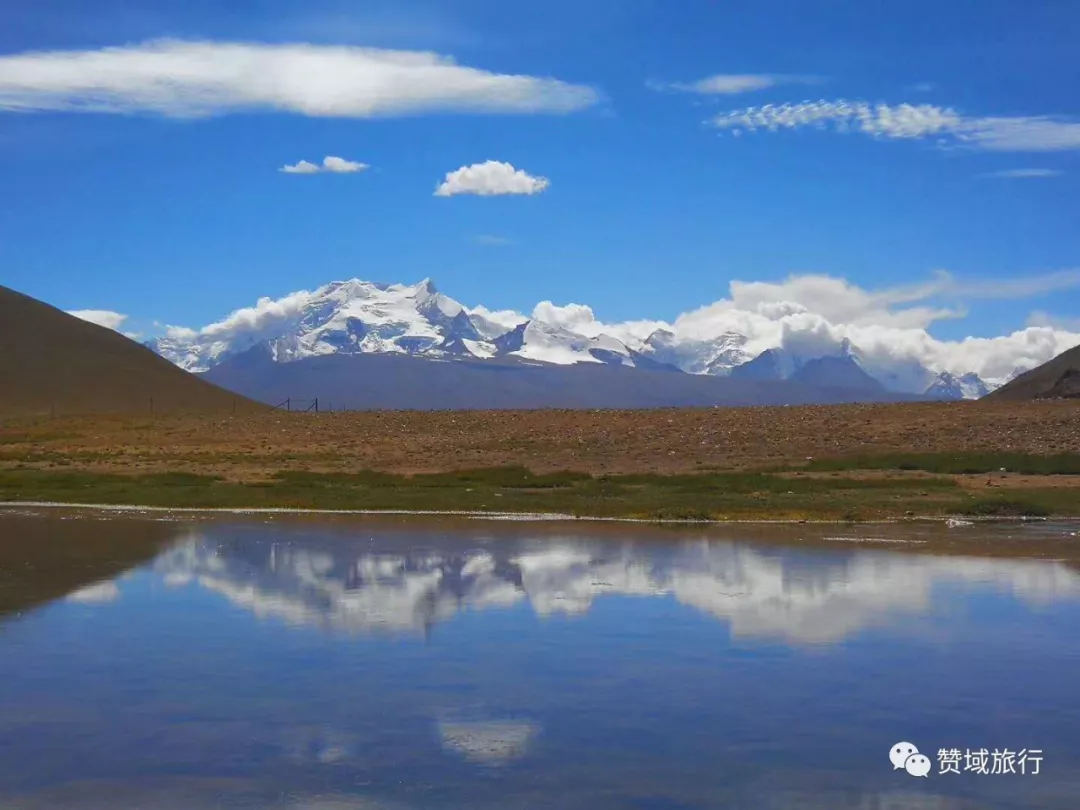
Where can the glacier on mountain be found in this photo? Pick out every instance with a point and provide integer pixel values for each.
(363, 317)
(964, 386)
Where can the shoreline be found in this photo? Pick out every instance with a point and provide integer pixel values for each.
(524, 517)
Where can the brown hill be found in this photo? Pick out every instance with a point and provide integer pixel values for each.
(1056, 379)
(52, 362)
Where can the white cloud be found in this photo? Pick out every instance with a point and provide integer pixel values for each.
(492, 323)
(489, 179)
(198, 78)
(731, 84)
(334, 165)
(1023, 174)
(303, 167)
(489, 742)
(102, 317)
(342, 166)
(99, 594)
(571, 316)
(1025, 134)
(812, 313)
(180, 333)
(911, 122)
(581, 319)
(808, 313)
(1006, 289)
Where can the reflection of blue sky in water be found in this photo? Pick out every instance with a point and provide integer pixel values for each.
(759, 593)
(270, 666)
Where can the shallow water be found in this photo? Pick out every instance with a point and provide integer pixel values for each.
(358, 664)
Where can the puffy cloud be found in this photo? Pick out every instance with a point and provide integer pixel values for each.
(180, 333)
(334, 165)
(102, 317)
(266, 315)
(1023, 174)
(910, 122)
(493, 323)
(303, 167)
(342, 166)
(490, 178)
(198, 78)
(731, 84)
(812, 314)
(571, 316)
(839, 301)
(580, 318)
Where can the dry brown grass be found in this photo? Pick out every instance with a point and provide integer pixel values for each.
(250, 447)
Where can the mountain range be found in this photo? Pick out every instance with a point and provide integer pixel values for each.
(324, 343)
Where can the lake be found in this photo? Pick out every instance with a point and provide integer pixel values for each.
(257, 662)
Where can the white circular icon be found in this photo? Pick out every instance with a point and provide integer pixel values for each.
(899, 753)
(917, 765)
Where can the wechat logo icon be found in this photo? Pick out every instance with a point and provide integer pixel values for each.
(906, 756)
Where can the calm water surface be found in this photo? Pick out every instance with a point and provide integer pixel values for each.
(407, 665)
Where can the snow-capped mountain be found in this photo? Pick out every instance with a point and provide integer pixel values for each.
(548, 343)
(950, 386)
(361, 317)
(348, 317)
(717, 356)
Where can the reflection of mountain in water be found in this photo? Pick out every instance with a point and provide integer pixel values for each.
(804, 597)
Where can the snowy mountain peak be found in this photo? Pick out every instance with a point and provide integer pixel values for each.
(343, 317)
(966, 386)
(364, 317)
(550, 343)
(717, 356)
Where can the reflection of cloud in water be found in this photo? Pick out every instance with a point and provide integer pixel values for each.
(178, 579)
(798, 595)
(491, 742)
(97, 594)
(324, 746)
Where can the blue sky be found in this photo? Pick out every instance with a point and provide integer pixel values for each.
(651, 207)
